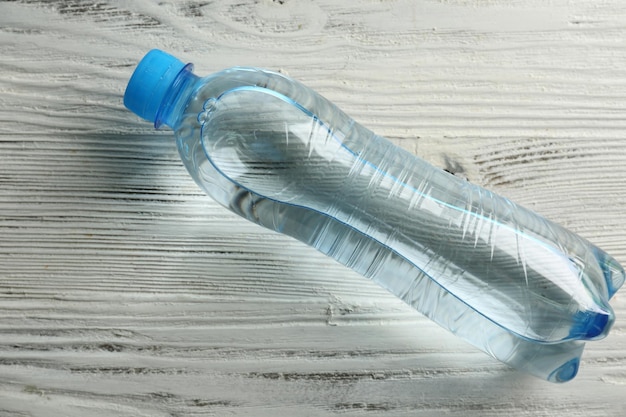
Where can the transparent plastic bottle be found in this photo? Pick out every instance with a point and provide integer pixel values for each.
(518, 286)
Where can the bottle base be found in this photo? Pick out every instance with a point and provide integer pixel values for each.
(565, 372)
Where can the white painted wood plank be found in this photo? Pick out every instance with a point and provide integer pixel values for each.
(125, 291)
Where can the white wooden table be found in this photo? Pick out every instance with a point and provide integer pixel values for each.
(124, 291)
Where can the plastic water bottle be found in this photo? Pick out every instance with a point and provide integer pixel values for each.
(520, 287)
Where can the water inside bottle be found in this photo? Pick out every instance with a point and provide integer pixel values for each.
(270, 145)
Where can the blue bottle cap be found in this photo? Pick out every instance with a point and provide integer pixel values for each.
(150, 82)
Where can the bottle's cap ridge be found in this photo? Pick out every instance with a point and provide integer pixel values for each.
(148, 85)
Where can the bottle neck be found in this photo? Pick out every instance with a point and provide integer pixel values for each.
(176, 98)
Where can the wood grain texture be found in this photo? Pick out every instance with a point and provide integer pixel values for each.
(124, 291)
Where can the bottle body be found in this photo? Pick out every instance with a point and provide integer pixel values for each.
(517, 286)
